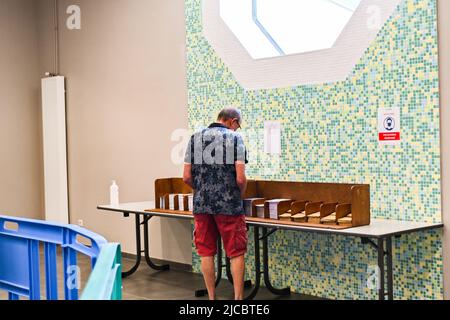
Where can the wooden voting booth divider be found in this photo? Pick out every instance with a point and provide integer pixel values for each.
(318, 205)
(376, 233)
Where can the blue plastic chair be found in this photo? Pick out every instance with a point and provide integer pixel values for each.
(20, 274)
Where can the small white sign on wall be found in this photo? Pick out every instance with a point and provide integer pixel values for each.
(389, 126)
(272, 137)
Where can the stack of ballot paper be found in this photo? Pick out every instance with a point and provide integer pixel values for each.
(172, 201)
(278, 206)
(298, 211)
(248, 205)
(286, 216)
(191, 202)
(312, 211)
(177, 201)
(331, 219)
(162, 204)
(346, 221)
(314, 218)
(299, 217)
(260, 210)
(182, 201)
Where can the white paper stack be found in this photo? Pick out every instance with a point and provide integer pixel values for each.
(172, 201)
(248, 203)
(191, 202)
(181, 202)
(260, 210)
(273, 207)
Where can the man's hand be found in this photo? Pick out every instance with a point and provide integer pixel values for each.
(187, 174)
(241, 179)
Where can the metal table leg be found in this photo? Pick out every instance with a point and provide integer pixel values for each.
(146, 248)
(385, 269)
(138, 246)
(280, 292)
(390, 277)
(255, 290)
(381, 280)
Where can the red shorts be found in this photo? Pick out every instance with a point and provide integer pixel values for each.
(232, 229)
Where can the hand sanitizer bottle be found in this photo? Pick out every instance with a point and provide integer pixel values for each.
(114, 194)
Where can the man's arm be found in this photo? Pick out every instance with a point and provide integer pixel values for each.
(187, 174)
(188, 160)
(240, 162)
(241, 179)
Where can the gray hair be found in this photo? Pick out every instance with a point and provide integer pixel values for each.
(230, 113)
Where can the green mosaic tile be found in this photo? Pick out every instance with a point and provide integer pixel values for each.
(330, 135)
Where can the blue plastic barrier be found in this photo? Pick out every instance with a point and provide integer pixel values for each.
(20, 240)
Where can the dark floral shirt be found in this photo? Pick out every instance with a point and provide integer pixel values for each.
(213, 153)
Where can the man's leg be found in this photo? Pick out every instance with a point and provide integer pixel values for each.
(234, 237)
(205, 238)
(238, 272)
(208, 270)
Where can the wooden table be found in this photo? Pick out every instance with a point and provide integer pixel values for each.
(378, 234)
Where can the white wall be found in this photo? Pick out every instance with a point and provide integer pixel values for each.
(126, 93)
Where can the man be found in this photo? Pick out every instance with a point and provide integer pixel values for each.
(215, 169)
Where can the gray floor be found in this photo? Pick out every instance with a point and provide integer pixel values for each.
(180, 285)
(148, 284)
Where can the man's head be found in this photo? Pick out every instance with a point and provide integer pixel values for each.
(231, 118)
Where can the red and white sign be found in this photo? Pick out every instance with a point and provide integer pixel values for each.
(386, 136)
(389, 126)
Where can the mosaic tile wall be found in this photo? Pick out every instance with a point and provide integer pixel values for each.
(330, 135)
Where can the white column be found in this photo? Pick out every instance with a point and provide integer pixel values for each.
(55, 156)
